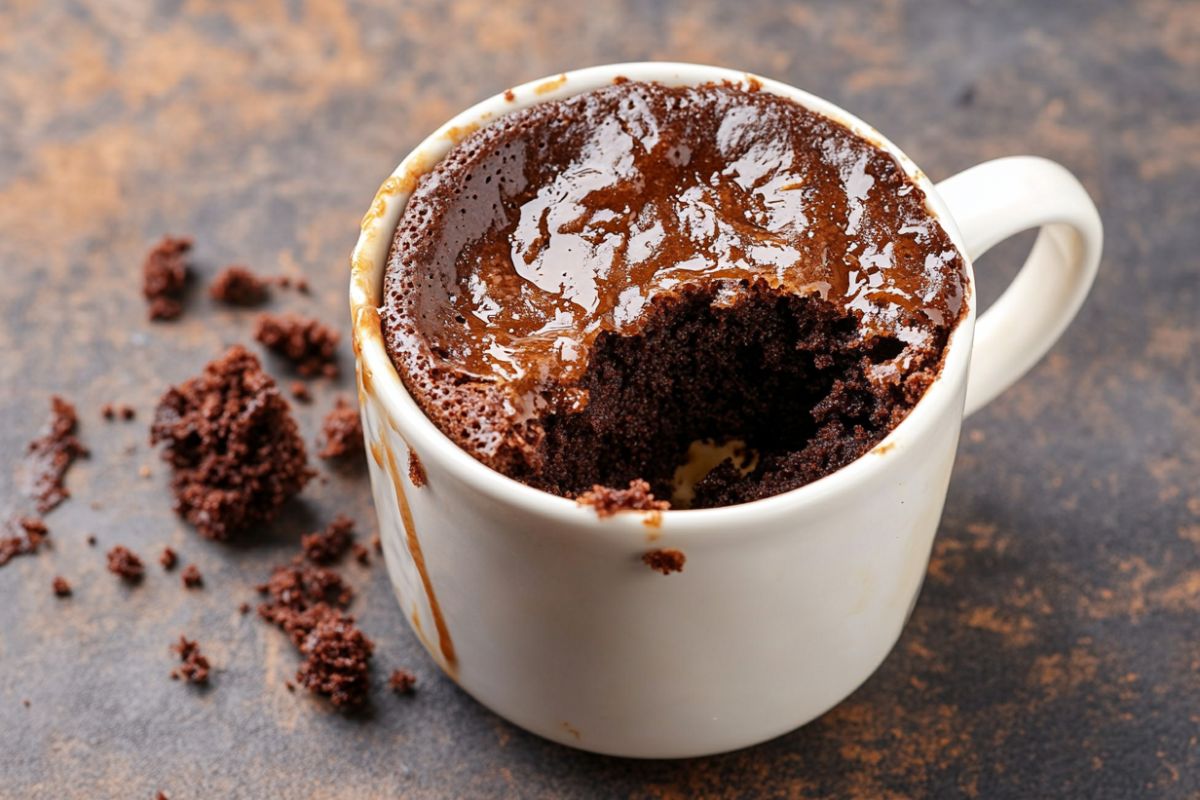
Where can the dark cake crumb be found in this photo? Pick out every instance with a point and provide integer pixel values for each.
(329, 545)
(300, 391)
(110, 411)
(343, 431)
(164, 276)
(123, 562)
(91, 540)
(238, 286)
(337, 660)
(361, 554)
(234, 448)
(62, 588)
(608, 501)
(302, 286)
(191, 577)
(308, 344)
(401, 681)
(48, 457)
(291, 687)
(377, 544)
(243, 608)
(195, 666)
(27, 534)
(416, 470)
(666, 560)
(168, 559)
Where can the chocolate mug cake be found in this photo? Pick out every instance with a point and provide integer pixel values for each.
(583, 289)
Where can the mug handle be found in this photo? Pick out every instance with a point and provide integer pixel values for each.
(996, 200)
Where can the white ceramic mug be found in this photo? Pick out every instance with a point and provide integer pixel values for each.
(547, 615)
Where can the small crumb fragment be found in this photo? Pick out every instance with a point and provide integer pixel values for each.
(234, 448)
(195, 666)
(377, 544)
(243, 608)
(302, 286)
(48, 457)
(238, 286)
(666, 560)
(300, 391)
(123, 562)
(361, 554)
(61, 587)
(111, 411)
(191, 577)
(26, 537)
(329, 545)
(308, 344)
(416, 470)
(91, 540)
(291, 687)
(608, 501)
(342, 430)
(402, 681)
(164, 276)
(168, 558)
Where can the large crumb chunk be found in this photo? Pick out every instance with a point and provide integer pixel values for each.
(124, 562)
(665, 560)
(234, 448)
(164, 276)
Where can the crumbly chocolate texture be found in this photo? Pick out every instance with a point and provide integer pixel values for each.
(416, 470)
(342, 431)
(238, 286)
(305, 602)
(124, 562)
(234, 448)
(310, 345)
(665, 560)
(191, 577)
(582, 289)
(608, 501)
(195, 667)
(25, 537)
(401, 681)
(165, 276)
(329, 545)
(48, 457)
(61, 587)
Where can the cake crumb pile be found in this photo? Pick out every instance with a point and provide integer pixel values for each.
(238, 286)
(342, 430)
(310, 345)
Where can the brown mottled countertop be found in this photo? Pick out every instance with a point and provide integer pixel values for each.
(1054, 650)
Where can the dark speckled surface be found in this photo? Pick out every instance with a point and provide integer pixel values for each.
(1053, 651)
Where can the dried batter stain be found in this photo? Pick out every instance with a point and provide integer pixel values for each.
(445, 643)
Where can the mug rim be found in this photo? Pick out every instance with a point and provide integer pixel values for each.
(379, 376)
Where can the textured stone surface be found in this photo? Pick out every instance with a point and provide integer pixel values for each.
(1053, 650)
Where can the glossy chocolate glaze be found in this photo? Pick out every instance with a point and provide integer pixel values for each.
(566, 220)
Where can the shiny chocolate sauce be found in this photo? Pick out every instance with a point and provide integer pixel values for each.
(564, 266)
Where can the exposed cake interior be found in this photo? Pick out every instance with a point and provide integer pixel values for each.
(586, 292)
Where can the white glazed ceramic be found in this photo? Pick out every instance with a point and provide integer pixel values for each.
(547, 615)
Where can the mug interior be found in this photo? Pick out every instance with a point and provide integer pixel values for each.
(381, 382)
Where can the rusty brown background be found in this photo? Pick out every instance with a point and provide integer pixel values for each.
(1055, 649)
